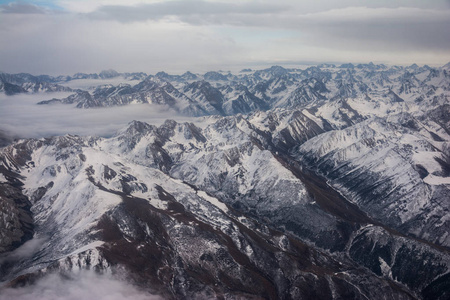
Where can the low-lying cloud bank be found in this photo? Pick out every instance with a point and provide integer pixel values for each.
(21, 117)
(83, 285)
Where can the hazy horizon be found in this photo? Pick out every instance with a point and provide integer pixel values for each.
(235, 70)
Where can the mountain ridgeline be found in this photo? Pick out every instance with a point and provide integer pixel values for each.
(223, 93)
(330, 182)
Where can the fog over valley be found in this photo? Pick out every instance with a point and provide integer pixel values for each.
(21, 117)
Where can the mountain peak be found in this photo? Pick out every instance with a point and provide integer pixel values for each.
(137, 127)
(108, 74)
(189, 76)
(347, 66)
(446, 66)
(215, 76)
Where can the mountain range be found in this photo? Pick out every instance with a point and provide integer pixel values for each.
(330, 182)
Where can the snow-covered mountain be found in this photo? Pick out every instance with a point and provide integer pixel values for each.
(324, 183)
(377, 89)
(12, 84)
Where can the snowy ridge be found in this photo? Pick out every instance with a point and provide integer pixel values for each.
(387, 171)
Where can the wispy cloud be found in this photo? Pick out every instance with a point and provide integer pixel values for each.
(81, 285)
(25, 251)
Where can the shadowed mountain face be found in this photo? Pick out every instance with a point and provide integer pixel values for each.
(328, 187)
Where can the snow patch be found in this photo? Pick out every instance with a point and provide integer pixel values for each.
(3, 178)
(89, 246)
(385, 268)
(436, 180)
(213, 201)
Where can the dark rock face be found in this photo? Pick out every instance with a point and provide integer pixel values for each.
(270, 272)
(16, 224)
(209, 97)
(11, 89)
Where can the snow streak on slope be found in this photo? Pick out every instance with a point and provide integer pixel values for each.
(386, 170)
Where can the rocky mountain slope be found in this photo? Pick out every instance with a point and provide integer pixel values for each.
(329, 183)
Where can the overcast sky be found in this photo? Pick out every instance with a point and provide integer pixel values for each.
(65, 36)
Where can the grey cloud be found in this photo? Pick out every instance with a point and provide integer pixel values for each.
(384, 28)
(179, 36)
(361, 28)
(380, 29)
(204, 12)
(183, 9)
(65, 44)
(21, 8)
(383, 36)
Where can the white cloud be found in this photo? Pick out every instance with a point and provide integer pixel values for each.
(24, 251)
(83, 285)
